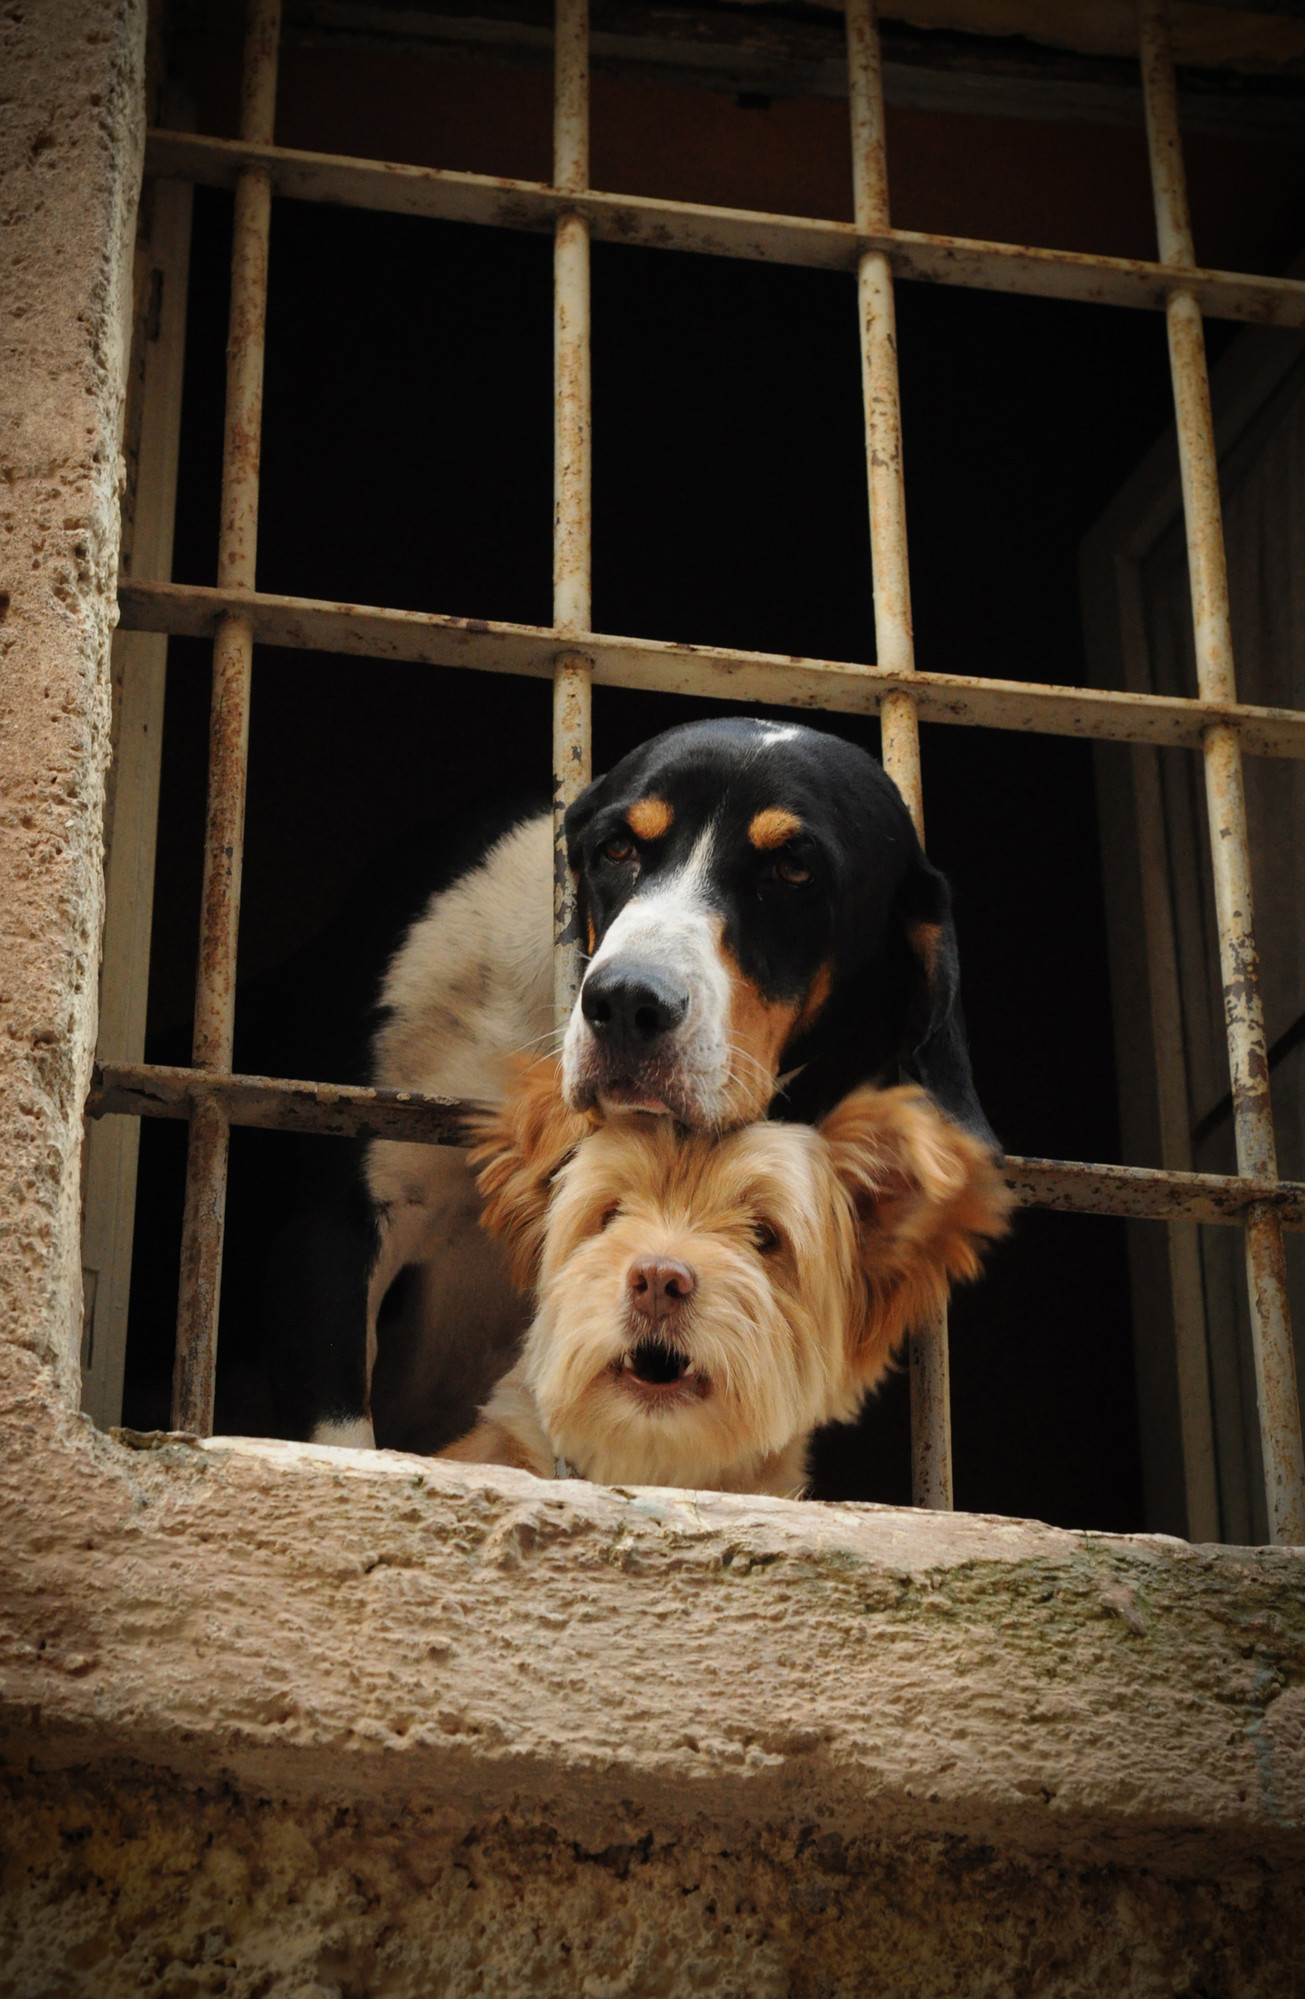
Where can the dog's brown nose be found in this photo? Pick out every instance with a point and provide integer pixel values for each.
(659, 1287)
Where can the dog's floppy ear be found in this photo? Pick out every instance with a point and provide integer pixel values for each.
(936, 1054)
(520, 1147)
(926, 1196)
(578, 814)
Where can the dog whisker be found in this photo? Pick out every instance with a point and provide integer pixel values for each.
(547, 1043)
(742, 1054)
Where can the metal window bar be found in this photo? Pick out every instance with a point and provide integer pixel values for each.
(1216, 721)
(802, 240)
(572, 480)
(1275, 1365)
(428, 638)
(146, 1089)
(931, 1430)
(203, 1226)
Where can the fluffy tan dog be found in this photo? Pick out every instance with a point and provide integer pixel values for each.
(703, 1304)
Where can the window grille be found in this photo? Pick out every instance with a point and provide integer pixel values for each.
(237, 617)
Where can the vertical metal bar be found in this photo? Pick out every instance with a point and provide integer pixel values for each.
(1275, 1367)
(195, 1367)
(572, 473)
(931, 1441)
(572, 480)
(931, 1416)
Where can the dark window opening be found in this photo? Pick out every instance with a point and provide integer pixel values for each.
(407, 462)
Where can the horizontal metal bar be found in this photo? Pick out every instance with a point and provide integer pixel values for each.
(332, 1110)
(336, 1110)
(724, 232)
(772, 679)
(1143, 1193)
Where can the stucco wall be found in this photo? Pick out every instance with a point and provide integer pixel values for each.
(277, 1721)
(70, 152)
(166, 1892)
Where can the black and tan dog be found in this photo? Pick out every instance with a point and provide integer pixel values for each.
(763, 933)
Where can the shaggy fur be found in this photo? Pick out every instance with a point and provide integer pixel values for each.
(762, 934)
(472, 984)
(791, 1263)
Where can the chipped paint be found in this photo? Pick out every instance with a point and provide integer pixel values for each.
(1275, 1365)
(228, 750)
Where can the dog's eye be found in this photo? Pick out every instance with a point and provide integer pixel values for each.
(609, 1215)
(765, 1237)
(618, 848)
(790, 870)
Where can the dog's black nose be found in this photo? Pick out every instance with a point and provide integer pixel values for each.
(659, 1287)
(630, 1007)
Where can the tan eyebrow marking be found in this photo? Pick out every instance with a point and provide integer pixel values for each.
(773, 827)
(923, 939)
(817, 993)
(649, 819)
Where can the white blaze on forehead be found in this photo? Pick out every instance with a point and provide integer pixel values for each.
(671, 928)
(675, 905)
(774, 733)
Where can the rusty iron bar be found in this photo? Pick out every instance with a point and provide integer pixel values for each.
(1275, 1366)
(270, 1103)
(203, 1226)
(928, 1361)
(572, 764)
(572, 482)
(726, 232)
(894, 639)
(783, 680)
(1149, 1193)
(931, 1425)
(340, 1110)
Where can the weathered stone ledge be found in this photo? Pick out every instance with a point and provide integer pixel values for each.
(307, 1623)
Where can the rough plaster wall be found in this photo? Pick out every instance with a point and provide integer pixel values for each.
(71, 128)
(363, 1625)
(166, 1893)
(284, 1721)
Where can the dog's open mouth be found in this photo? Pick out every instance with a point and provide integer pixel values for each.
(622, 1093)
(657, 1364)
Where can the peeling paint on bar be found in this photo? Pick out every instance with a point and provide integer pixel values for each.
(1275, 1364)
(725, 232)
(572, 483)
(899, 718)
(1146, 1193)
(203, 1225)
(429, 639)
(339, 1110)
(333, 1110)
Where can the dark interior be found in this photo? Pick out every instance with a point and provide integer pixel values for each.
(407, 462)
